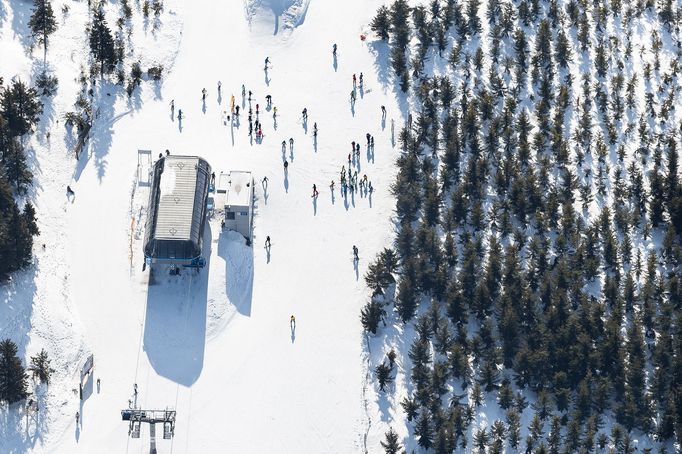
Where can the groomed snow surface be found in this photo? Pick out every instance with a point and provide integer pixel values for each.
(215, 345)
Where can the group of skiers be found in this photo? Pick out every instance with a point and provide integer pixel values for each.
(349, 178)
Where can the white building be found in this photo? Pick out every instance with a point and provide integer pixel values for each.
(234, 192)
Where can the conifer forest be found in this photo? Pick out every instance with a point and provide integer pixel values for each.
(536, 266)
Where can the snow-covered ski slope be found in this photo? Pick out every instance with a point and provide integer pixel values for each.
(216, 345)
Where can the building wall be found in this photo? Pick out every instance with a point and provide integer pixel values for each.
(239, 219)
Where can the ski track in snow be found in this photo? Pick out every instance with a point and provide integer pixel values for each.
(215, 345)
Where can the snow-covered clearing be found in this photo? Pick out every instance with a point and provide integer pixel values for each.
(216, 345)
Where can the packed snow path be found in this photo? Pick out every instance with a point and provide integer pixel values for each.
(217, 345)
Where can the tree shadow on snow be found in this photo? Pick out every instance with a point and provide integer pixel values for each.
(175, 322)
(238, 270)
(16, 310)
(101, 134)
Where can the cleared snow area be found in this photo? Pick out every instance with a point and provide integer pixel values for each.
(215, 345)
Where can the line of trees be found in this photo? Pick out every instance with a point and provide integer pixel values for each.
(524, 257)
(19, 112)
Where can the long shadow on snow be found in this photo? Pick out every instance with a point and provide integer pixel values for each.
(20, 17)
(16, 309)
(238, 270)
(102, 125)
(175, 324)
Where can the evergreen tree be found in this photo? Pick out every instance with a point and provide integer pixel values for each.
(42, 22)
(371, 315)
(13, 384)
(384, 377)
(102, 42)
(381, 23)
(391, 445)
(40, 367)
(20, 107)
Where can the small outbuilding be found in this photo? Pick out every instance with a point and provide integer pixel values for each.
(235, 193)
(176, 215)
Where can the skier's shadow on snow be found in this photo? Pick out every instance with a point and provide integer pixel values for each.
(267, 78)
(333, 198)
(265, 192)
(335, 63)
(352, 108)
(362, 90)
(179, 125)
(203, 106)
(357, 271)
(286, 181)
(293, 332)
(315, 206)
(305, 126)
(220, 97)
(267, 254)
(315, 144)
(383, 122)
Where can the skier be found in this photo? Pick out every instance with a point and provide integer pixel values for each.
(243, 91)
(368, 137)
(212, 177)
(69, 192)
(286, 165)
(383, 111)
(267, 60)
(180, 114)
(357, 148)
(331, 186)
(349, 162)
(371, 142)
(236, 113)
(352, 96)
(268, 99)
(219, 86)
(305, 114)
(315, 193)
(291, 143)
(257, 109)
(250, 93)
(78, 417)
(98, 382)
(361, 79)
(167, 152)
(334, 50)
(355, 253)
(135, 388)
(352, 146)
(274, 112)
(172, 104)
(354, 80)
(265, 182)
(371, 188)
(203, 94)
(284, 146)
(292, 322)
(314, 129)
(267, 241)
(250, 128)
